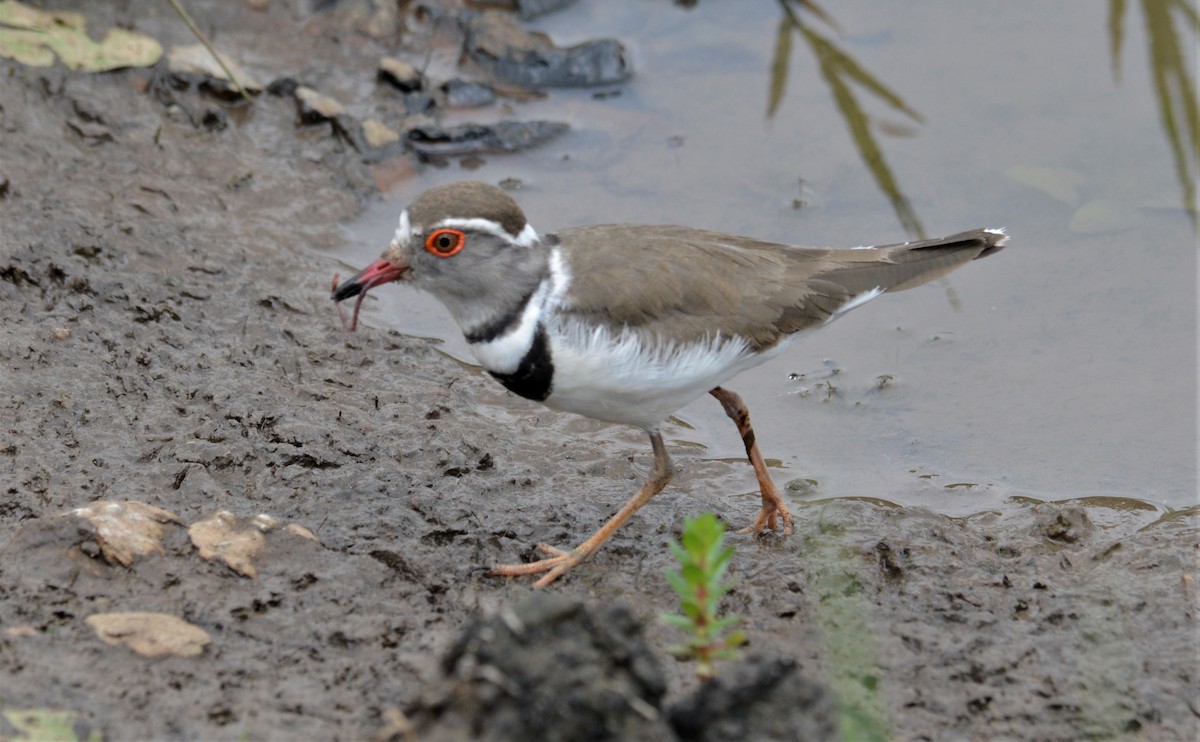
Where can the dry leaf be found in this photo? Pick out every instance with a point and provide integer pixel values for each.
(299, 530)
(235, 541)
(33, 37)
(47, 724)
(125, 530)
(150, 634)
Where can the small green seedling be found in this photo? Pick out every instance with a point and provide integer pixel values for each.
(703, 559)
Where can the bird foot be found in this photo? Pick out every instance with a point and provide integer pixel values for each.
(556, 563)
(769, 519)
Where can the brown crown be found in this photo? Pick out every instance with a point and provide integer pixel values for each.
(467, 200)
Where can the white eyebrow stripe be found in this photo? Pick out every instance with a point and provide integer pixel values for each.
(527, 238)
(403, 229)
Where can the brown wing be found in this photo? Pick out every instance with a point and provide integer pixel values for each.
(689, 284)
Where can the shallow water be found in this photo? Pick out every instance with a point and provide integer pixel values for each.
(1064, 367)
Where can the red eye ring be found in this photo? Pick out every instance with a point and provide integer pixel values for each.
(445, 242)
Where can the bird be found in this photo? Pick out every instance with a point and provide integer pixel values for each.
(627, 323)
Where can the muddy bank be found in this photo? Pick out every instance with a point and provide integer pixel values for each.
(168, 340)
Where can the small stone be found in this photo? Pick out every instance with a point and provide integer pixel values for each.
(378, 134)
(314, 108)
(401, 74)
(283, 86)
(468, 94)
(1066, 525)
(533, 8)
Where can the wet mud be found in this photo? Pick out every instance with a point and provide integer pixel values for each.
(168, 340)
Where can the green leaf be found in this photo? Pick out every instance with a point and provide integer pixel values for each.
(723, 623)
(676, 620)
(693, 574)
(780, 62)
(692, 541)
(679, 585)
(718, 566)
(833, 64)
(845, 64)
(703, 559)
(710, 528)
(691, 610)
(680, 650)
(821, 13)
(1174, 88)
(1116, 33)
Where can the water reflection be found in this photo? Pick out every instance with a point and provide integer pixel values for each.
(1171, 27)
(840, 71)
(1173, 86)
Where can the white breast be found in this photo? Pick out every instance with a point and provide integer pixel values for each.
(625, 378)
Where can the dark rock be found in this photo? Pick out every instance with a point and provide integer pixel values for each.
(762, 698)
(467, 94)
(283, 86)
(419, 102)
(552, 668)
(503, 136)
(495, 41)
(526, 8)
(1066, 525)
(533, 8)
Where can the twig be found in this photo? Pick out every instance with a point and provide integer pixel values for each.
(208, 45)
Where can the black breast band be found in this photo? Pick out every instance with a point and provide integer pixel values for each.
(534, 375)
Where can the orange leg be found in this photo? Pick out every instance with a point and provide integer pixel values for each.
(773, 507)
(560, 561)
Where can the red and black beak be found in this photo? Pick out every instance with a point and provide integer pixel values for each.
(380, 272)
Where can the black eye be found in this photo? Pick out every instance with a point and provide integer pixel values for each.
(445, 242)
